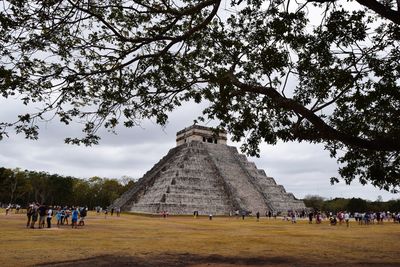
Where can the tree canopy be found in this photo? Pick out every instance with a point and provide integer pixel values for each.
(318, 203)
(321, 71)
(23, 187)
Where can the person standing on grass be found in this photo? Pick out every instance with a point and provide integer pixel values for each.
(82, 214)
(29, 212)
(346, 218)
(258, 216)
(118, 211)
(67, 214)
(62, 215)
(378, 217)
(8, 209)
(42, 215)
(34, 217)
(74, 217)
(310, 217)
(366, 218)
(49, 216)
(318, 219)
(294, 217)
(59, 217)
(105, 213)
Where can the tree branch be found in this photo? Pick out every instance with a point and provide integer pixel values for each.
(172, 42)
(326, 132)
(384, 11)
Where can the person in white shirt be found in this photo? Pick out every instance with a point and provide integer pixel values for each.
(346, 218)
(49, 216)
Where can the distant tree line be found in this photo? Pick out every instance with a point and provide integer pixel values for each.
(22, 187)
(350, 204)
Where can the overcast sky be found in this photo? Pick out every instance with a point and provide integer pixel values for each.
(303, 169)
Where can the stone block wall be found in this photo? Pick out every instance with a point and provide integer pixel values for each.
(208, 178)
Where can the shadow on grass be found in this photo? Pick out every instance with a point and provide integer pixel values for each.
(174, 260)
(177, 260)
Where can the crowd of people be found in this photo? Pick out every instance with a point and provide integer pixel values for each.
(112, 210)
(363, 218)
(41, 215)
(45, 216)
(74, 216)
(341, 217)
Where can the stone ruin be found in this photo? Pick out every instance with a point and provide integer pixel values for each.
(202, 173)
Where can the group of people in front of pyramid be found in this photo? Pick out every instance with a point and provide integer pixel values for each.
(362, 218)
(43, 214)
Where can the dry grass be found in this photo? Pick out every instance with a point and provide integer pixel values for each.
(270, 241)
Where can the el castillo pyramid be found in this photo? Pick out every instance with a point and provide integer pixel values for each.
(202, 173)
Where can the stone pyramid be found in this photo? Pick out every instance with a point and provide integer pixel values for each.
(202, 173)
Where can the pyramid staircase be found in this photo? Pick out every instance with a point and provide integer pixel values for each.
(208, 178)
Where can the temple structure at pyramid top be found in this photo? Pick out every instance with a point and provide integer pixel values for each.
(202, 173)
(201, 134)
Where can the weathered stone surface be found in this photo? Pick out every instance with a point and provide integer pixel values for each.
(208, 178)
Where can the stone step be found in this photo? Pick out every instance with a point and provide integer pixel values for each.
(209, 178)
(236, 178)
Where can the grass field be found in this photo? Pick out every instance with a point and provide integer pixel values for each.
(132, 240)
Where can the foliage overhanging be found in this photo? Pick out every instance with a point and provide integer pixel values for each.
(318, 71)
